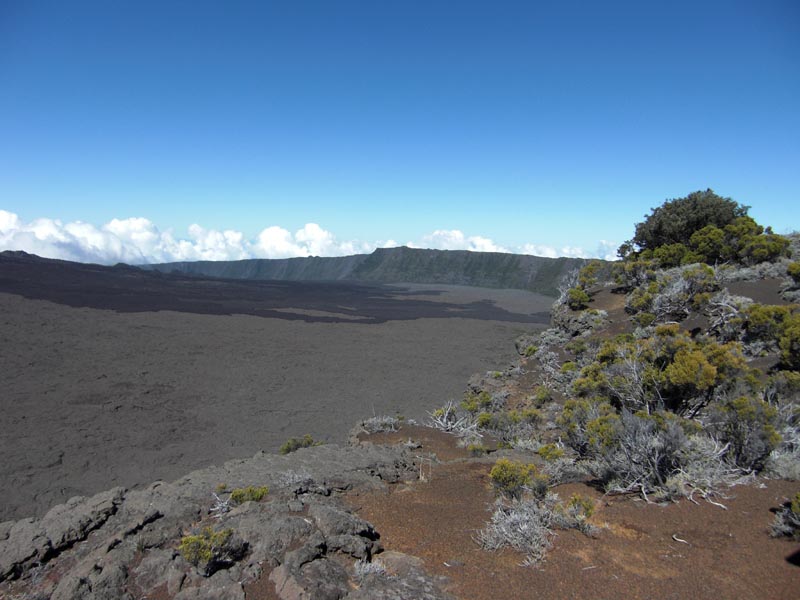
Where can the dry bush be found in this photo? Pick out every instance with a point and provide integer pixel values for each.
(523, 525)
(527, 524)
(364, 568)
(380, 424)
(787, 519)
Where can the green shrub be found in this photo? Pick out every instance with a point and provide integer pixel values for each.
(604, 432)
(512, 478)
(569, 367)
(793, 271)
(530, 351)
(202, 548)
(580, 505)
(709, 244)
(641, 298)
(576, 416)
(577, 299)
(748, 425)
(644, 319)
(676, 220)
(671, 255)
(485, 420)
(668, 370)
(587, 276)
(789, 343)
(576, 346)
(541, 395)
(531, 416)
(550, 452)
(634, 271)
(701, 227)
(470, 403)
(766, 322)
(249, 494)
(293, 444)
(763, 248)
(477, 449)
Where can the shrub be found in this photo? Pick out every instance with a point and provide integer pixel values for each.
(581, 505)
(587, 276)
(527, 525)
(293, 444)
(531, 416)
(668, 370)
(577, 299)
(510, 426)
(634, 271)
(477, 449)
(512, 478)
(473, 403)
(676, 220)
(644, 319)
(203, 548)
(569, 367)
(636, 452)
(789, 343)
(575, 417)
(380, 423)
(523, 525)
(671, 255)
(709, 243)
(748, 426)
(576, 346)
(485, 420)
(763, 248)
(542, 395)
(249, 494)
(793, 270)
(364, 568)
(550, 452)
(530, 351)
(787, 519)
(701, 227)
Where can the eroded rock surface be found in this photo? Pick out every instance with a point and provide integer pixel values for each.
(125, 543)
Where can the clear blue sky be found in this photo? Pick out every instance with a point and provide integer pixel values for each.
(548, 124)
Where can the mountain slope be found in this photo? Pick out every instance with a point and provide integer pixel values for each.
(396, 265)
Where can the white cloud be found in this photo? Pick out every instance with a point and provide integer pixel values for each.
(453, 239)
(138, 240)
(539, 250)
(8, 221)
(607, 250)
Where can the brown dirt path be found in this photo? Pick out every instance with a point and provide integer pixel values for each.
(728, 554)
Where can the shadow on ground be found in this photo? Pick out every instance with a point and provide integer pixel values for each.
(123, 288)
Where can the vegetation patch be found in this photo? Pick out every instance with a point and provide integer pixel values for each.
(249, 494)
(512, 479)
(293, 444)
(787, 519)
(527, 525)
(201, 548)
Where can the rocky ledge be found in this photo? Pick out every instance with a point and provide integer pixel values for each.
(189, 539)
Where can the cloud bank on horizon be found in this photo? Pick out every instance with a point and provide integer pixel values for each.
(138, 240)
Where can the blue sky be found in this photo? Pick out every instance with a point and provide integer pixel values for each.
(156, 130)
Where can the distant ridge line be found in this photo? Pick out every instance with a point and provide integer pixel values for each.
(395, 265)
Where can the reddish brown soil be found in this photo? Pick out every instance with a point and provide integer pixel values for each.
(728, 554)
